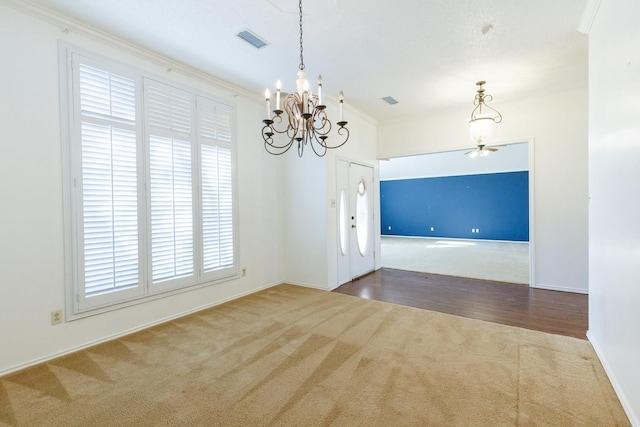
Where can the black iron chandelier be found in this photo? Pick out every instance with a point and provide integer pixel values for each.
(302, 116)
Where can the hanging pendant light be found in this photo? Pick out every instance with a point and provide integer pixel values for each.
(301, 117)
(483, 117)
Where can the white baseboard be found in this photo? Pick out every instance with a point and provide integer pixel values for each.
(306, 285)
(130, 331)
(628, 409)
(561, 288)
(466, 239)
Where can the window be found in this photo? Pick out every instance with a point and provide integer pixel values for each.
(151, 178)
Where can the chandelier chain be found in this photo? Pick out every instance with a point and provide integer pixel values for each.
(301, 59)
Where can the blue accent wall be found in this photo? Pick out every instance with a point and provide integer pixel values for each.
(497, 205)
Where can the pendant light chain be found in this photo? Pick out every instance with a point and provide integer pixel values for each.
(301, 59)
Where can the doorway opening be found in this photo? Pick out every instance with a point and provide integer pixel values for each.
(447, 213)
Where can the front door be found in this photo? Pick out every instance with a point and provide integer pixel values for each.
(355, 220)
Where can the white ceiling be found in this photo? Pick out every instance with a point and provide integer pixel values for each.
(427, 54)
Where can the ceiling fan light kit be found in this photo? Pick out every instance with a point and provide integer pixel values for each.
(301, 117)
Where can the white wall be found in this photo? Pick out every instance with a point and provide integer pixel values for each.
(614, 179)
(508, 158)
(558, 123)
(303, 196)
(31, 209)
(310, 226)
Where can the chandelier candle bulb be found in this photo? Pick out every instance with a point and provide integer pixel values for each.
(267, 96)
(341, 99)
(278, 86)
(320, 89)
(305, 97)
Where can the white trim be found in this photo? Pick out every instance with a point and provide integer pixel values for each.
(454, 239)
(66, 129)
(306, 285)
(628, 409)
(588, 16)
(532, 211)
(133, 330)
(561, 288)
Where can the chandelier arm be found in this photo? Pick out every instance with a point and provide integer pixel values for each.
(342, 130)
(270, 146)
(291, 103)
(318, 145)
(320, 153)
(326, 123)
(272, 129)
(324, 126)
(269, 140)
(280, 152)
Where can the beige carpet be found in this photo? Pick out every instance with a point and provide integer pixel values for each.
(294, 356)
(476, 259)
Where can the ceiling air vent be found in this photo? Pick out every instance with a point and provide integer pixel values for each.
(252, 38)
(389, 100)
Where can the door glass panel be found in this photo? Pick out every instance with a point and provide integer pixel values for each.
(343, 222)
(362, 218)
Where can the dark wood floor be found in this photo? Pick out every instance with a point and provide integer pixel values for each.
(561, 313)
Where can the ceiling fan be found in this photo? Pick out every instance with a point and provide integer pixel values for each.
(481, 151)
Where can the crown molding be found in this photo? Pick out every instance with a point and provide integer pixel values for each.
(588, 16)
(70, 25)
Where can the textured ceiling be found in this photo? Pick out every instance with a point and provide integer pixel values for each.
(427, 54)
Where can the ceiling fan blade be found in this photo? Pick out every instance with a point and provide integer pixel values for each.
(490, 149)
(469, 152)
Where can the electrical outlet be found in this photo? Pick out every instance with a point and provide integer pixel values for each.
(244, 271)
(56, 317)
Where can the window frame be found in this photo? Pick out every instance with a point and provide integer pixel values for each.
(71, 144)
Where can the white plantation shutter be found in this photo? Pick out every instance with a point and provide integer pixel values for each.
(171, 208)
(110, 208)
(214, 127)
(169, 111)
(108, 249)
(217, 214)
(151, 186)
(214, 121)
(106, 95)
